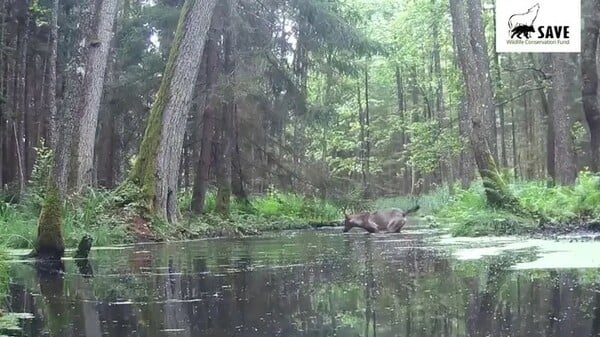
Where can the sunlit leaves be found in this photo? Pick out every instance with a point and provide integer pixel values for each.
(430, 146)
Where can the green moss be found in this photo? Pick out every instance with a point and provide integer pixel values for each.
(143, 173)
(223, 201)
(50, 240)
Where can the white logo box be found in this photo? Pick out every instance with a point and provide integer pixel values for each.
(522, 26)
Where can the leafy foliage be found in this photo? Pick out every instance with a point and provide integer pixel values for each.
(429, 146)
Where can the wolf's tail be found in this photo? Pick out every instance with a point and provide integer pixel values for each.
(411, 210)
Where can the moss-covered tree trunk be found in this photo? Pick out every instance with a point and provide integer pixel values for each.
(50, 242)
(157, 166)
(471, 49)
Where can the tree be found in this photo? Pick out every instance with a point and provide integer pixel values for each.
(156, 168)
(74, 82)
(208, 118)
(589, 72)
(225, 129)
(97, 57)
(560, 121)
(471, 50)
(50, 241)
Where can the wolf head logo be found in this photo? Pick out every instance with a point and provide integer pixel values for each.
(522, 23)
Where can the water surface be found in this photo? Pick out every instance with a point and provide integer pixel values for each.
(319, 283)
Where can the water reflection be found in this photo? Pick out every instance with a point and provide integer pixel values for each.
(306, 284)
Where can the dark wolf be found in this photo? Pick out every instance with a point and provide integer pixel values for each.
(389, 220)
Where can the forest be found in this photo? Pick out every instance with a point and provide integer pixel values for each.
(139, 120)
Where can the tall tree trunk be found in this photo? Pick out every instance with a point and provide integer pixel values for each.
(224, 155)
(513, 137)
(50, 84)
(50, 241)
(2, 92)
(24, 112)
(10, 157)
(98, 47)
(589, 72)
(445, 166)
(401, 113)
(367, 188)
(157, 167)
(549, 146)
(501, 107)
(213, 69)
(107, 151)
(467, 163)
(467, 23)
(20, 105)
(237, 177)
(363, 138)
(75, 72)
(561, 119)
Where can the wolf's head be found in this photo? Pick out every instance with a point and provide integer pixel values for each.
(534, 9)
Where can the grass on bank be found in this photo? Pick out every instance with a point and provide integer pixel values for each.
(95, 214)
(101, 214)
(466, 213)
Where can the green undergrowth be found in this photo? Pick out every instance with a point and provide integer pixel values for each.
(269, 212)
(465, 211)
(91, 214)
(3, 273)
(467, 214)
(98, 213)
(560, 207)
(5, 322)
(107, 216)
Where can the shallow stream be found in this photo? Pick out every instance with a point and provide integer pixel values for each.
(321, 283)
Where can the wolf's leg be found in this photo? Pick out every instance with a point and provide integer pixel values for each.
(395, 225)
(372, 227)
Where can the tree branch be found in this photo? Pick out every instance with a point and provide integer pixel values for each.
(521, 94)
(536, 70)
